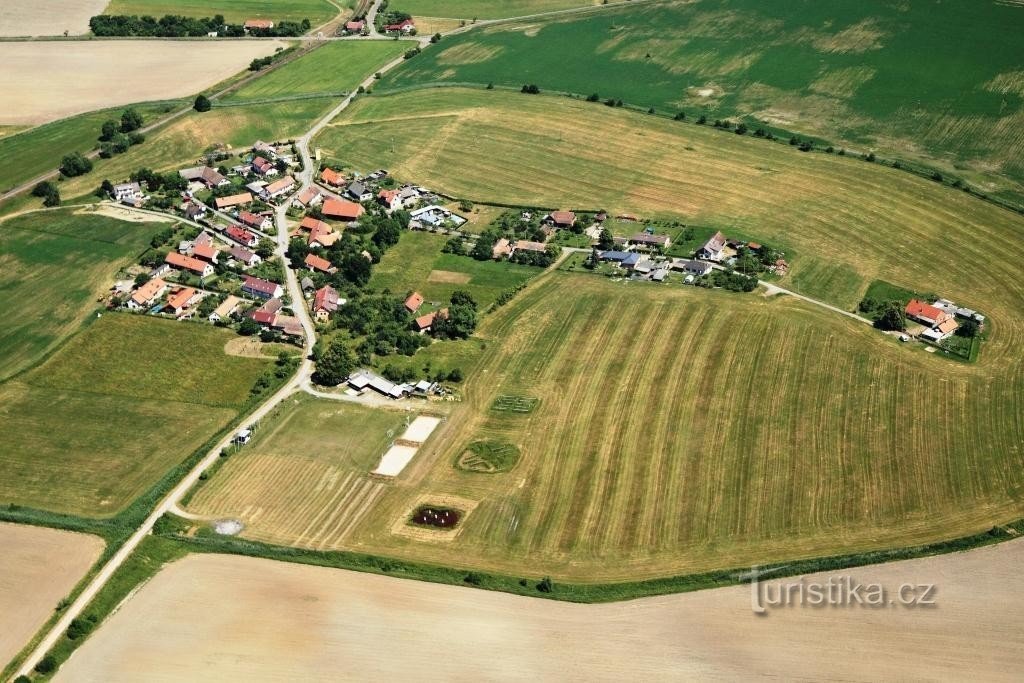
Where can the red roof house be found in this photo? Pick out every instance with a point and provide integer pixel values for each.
(343, 210)
(404, 26)
(242, 235)
(315, 262)
(332, 177)
(563, 219)
(193, 265)
(926, 313)
(414, 302)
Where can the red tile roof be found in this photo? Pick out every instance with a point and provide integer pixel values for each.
(325, 299)
(317, 263)
(233, 200)
(425, 321)
(332, 177)
(240, 234)
(260, 285)
(251, 219)
(258, 23)
(187, 262)
(563, 217)
(919, 309)
(180, 298)
(205, 252)
(342, 209)
(414, 302)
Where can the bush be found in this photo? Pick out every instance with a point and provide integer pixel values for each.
(680, 116)
(530, 89)
(48, 191)
(130, 120)
(545, 585)
(202, 103)
(409, 54)
(46, 665)
(593, 97)
(75, 164)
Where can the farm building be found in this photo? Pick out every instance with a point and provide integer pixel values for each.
(332, 177)
(260, 288)
(646, 240)
(232, 200)
(563, 219)
(209, 177)
(502, 249)
(264, 24)
(691, 267)
(527, 245)
(205, 252)
(436, 215)
(926, 313)
(363, 379)
(193, 265)
(343, 210)
(941, 331)
(713, 248)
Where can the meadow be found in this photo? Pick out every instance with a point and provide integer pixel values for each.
(234, 11)
(484, 9)
(53, 267)
(936, 83)
(416, 263)
(113, 409)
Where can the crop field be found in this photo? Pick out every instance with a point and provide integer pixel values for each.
(671, 437)
(234, 11)
(484, 9)
(416, 263)
(114, 408)
(225, 617)
(332, 68)
(53, 266)
(939, 83)
(39, 567)
(78, 74)
(48, 18)
(304, 479)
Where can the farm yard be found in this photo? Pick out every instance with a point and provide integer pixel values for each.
(304, 479)
(280, 620)
(113, 409)
(48, 18)
(939, 84)
(234, 11)
(39, 568)
(78, 73)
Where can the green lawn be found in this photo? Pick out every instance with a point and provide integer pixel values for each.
(234, 11)
(936, 82)
(332, 68)
(483, 9)
(416, 263)
(53, 266)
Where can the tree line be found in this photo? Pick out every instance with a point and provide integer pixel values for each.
(175, 26)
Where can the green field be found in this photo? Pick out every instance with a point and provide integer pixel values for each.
(416, 263)
(484, 9)
(53, 266)
(35, 151)
(937, 82)
(107, 415)
(332, 68)
(234, 11)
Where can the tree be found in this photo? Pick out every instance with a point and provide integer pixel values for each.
(436, 38)
(483, 250)
(356, 269)
(605, 241)
(680, 116)
(130, 120)
(202, 103)
(46, 665)
(248, 327)
(462, 297)
(141, 279)
(334, 364)
(969, 329)
(459, 323)
(593, 97)
(741, 129)
(893, 317)
(48, 191)
(75, 164)
(545, 585)
(530, 89)
(109, 130)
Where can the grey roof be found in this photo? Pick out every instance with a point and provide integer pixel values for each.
(307, 283)
(357, 189)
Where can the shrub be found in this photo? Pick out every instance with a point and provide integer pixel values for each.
(46, 665)
(937, 177)
(545, 585)
(870, 157)
(202, 103)
(680, 116)
(530, 89)
(593, 97)
(75, 164)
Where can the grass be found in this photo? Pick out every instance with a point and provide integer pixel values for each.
(488, 457)
(936, 84)
(332, 68)
(115, 408)
(484, 9)
(514, 404)
(234, 11)
(880, 290)
(416, 263)
(304, 479)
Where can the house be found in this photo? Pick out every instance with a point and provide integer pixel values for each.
(260, 288)
(526, 245)
(194, 211)
(127, 191)
(241, 235)
(391, 199)
(263, 167)
(279, 187)
(192, 265)
(320, 234)
(181, 299)
(630, 261)
(691, 267)
(713, 248)
(614, 256)
(244, 256)
(266, 314)
(203, 239)
(332, 177)
(413, 302)
(256, 187)
(314, 262)
(362, 379)
(205, 252)
(311, 196)
(359, 191)
(254, 220)
(355, 26)
(501, 249)
(343, 210)
(232, 200)
(326, 301)
(226, 309)
(436, 215)
(643, 266)
(646, 240)
(209, 177)
(425, 323)
(658, 275)
(147, 294)
(563, 219)
(405, 26)
(262, 24)
(926, 313)
(941, 331)
(264, 149)
(288, 325)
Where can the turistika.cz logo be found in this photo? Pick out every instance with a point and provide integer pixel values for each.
(834, 592)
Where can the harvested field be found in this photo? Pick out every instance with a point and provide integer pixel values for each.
(235, 618)
(448, 277)
(78, 74)
(38, 568)
(50, 18)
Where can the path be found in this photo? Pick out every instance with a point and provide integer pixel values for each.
(772, 289)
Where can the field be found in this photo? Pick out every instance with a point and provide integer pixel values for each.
(304, 478)
(234, 11)
(234, 618)
(48, 19)
(484, 9)
(416, 263)
(39, 568)
(53, 266)
(79, 74)
(939, 83)
(332, 68)
(113, 409)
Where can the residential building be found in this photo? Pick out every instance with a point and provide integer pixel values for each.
(147, 294)
(527, 245)
(233, 200)
(355, 26)
(314, 262)
(926, 313)
(332, 177)
(343, 210)
(210, 177)
(326, 301)
(241, 235)
(413, 302)
(501, 249)
(127, 191)
(713, 248)
(311, 196)
(258, 24)
(226, 309)
(563, 219)
(406, 26)
(260, 288)
(359, 191)
(194, 211)
(192, 265)
(691, 267)
(279, 187)
(181, 299)
(244, 256)
(255, 220)
(425, 323)
(646, 240)
(264, 167)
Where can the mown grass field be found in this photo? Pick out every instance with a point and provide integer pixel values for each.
(53, 267)
(937, 82)
(416, 263)
(484, 9)
(332, 68)
(682, 429)
(304, 479)
(234, 11)
(118, 405)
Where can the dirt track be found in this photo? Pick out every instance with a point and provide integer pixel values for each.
(38, 567)
(232, 618)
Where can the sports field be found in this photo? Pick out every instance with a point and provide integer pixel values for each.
(330, 69)
(304, 479)
(416, 263)
(236, 618)
(78, 74)
(938, 82)
(484, 9)
(113, 409)
(53, 267)
(234, 11)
